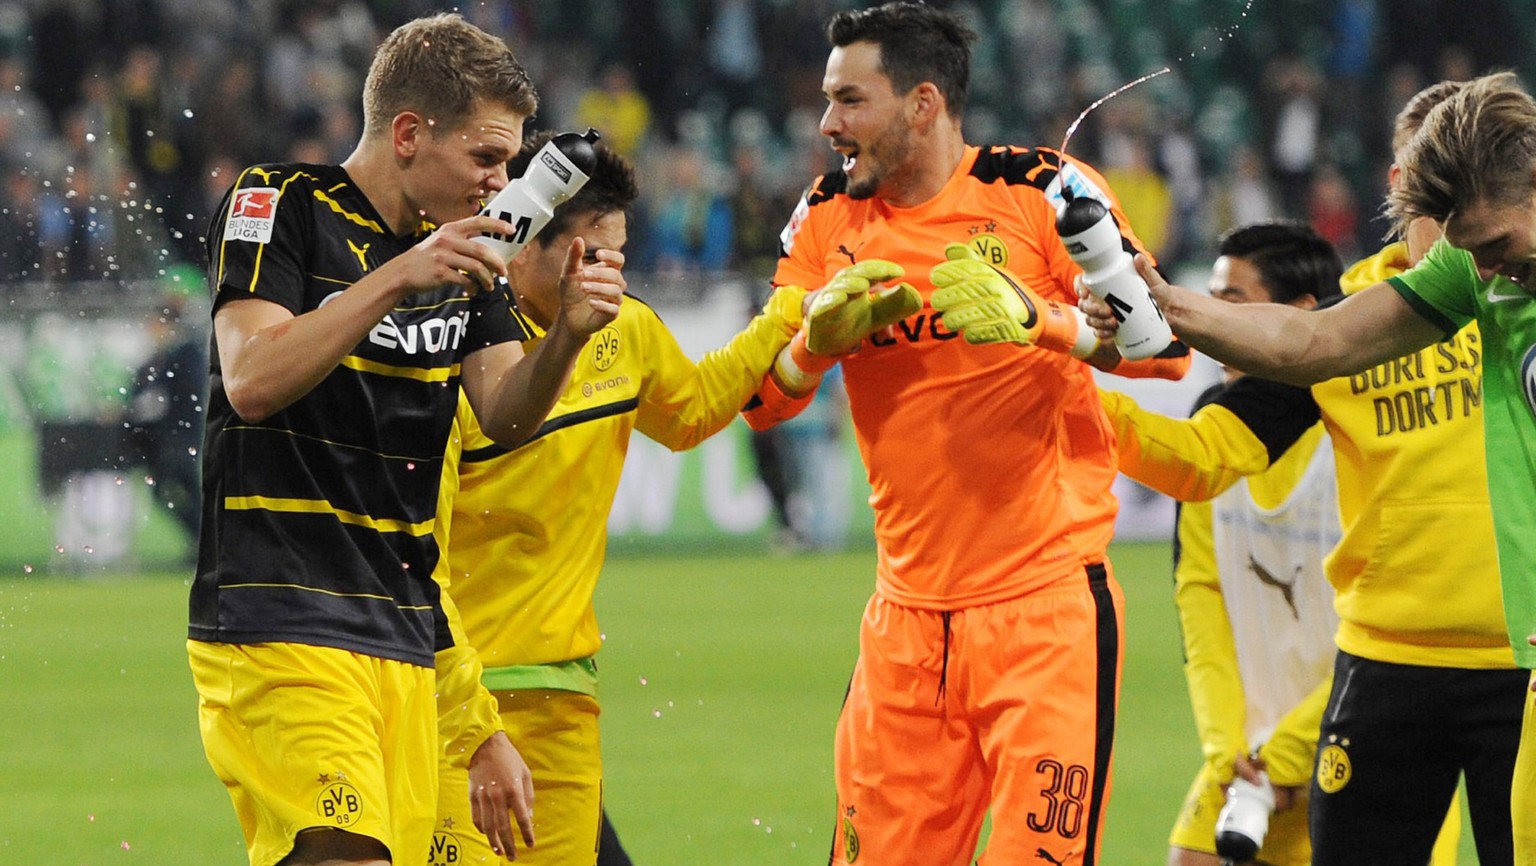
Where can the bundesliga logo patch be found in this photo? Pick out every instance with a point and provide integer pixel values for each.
(252, 215)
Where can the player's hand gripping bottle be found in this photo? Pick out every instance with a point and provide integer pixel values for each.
(1244, 820)
(558, 171)
(1094, 242)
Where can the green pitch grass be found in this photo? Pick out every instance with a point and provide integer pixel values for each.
(722, 676)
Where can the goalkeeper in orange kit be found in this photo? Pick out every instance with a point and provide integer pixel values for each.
(989, 661)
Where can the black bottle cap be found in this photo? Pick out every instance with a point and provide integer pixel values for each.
(577, 148)
(1079, 216)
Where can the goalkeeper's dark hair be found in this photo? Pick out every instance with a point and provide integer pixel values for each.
(611, 187)
(917, 43)
(1292, 257)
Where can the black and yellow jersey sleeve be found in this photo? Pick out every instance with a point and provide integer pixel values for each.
(1248, 426)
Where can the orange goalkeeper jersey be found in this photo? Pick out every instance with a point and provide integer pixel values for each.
(990, 466)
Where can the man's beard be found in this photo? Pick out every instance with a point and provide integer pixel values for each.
(892, 148)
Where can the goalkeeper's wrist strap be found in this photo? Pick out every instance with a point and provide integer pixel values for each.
(1064, 328)
(797, 368)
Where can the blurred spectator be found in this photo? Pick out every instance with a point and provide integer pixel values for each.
(61, 53)
(24, 120)
(757, 212)
(617, 110)
(1178, 159)
(1333, 212)
(145, 121)
(1295, 129)
(1242, 195)
(21, 250)
(226, 116)
(1144, 194)
(735, 52)
(165, 411)
(691, 227)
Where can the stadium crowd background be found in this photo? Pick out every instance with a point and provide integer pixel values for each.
(122, 121)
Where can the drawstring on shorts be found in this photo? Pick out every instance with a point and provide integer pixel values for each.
(944, 664)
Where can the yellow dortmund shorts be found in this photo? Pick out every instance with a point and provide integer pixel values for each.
(309, 737)
(556, 733)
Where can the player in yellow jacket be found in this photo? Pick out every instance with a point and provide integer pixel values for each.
(524, 531)
(1425, 684)
(1255, 608)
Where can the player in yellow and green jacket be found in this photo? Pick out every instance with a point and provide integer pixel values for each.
(524, 531)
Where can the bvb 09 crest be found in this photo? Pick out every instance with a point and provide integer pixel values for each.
(990, 248)
(340, 803)
(850, 838)
(1333, 768)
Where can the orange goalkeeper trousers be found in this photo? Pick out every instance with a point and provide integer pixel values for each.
(1007, 707)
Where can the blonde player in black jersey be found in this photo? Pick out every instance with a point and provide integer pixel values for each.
(351, 303)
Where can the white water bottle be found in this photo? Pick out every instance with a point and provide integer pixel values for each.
(1244, 820)
(557, 172)
(1094, 242)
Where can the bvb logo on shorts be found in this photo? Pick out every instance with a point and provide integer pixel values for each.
(340, 804)
(445, 849)
(850, 838)
(1333, 768)
(990, 248)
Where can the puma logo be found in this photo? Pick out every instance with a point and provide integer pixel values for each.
(1040, 166)
(1287, 590)
(360, 252)
(847, 252)
(1042, 854)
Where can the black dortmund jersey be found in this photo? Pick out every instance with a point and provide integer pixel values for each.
(317, 524)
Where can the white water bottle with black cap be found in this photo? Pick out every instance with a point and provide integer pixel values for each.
(1094, 242)
(558, 171)
(1244, 820)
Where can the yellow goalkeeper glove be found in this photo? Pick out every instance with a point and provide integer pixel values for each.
(840, 315)
(850, 307)
(987, 304)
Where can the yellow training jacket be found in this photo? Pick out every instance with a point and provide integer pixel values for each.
(1416, 572)
(526, 534)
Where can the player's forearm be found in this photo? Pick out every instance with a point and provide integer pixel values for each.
(1296, 346)
(467, 712)
(1292, 747)
(524, 394)
(1275, 341)
(722, 382)
(269, 358)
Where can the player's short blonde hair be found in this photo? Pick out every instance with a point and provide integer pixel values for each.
(443, 68)
(1478, 145)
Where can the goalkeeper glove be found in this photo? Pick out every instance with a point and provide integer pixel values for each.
(848, 309)
(987, 304)
(839, 316)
